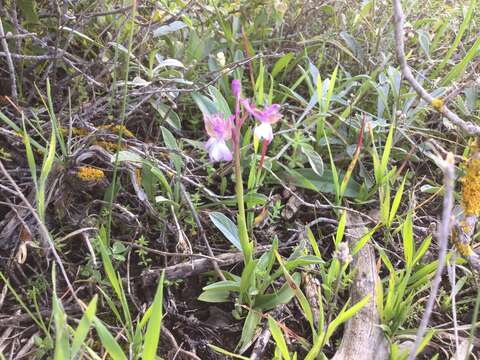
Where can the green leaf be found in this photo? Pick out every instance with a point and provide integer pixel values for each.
(215, 296)
(424, 40)
(408, 241)
(227, 285)
(283, 296)
(422, 249)
(247, 281)
(28, 8)
(152, 336)
(249, 327)
(206, 106)
(171, 143)
(282, 63)
(42, 182)
(396, 202)
(108, 341)
(30, 157)
(343, 316)
(128, 156)
(227, 227)
(304, 304)
(278, 337)
(363, 240)
(308, 179)
(313, 242)
(457, 71)
(62, 346)
(84, 326)
(341, 228)
(167, 29)
(331, 87)
(386, 151)
(220, 102)
(463, 27)
(228, 353)
(314, 159)
(167, 113)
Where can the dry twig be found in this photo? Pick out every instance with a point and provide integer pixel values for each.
(11, 67)
(43, 230)
(201, 230)
(448, 167)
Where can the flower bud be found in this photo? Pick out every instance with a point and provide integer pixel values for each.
(236, 86)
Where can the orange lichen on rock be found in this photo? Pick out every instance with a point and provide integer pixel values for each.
(88, 173)
(471, 188)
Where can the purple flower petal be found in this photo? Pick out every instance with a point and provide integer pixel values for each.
(236, 86)
(269, 115)
(217, 127)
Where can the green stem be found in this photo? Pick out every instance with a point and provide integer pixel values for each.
(241, 220)
(112, 194)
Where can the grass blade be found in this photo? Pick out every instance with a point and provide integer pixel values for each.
(152, 336)
(84, 327)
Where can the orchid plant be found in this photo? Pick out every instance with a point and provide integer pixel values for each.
(257, 290)
(258, 275)
(221, 129)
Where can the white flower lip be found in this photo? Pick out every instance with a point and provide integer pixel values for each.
(218, 150)
(264, 131)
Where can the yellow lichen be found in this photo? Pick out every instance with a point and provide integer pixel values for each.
(75, 131)
(437, 104)
(471, 188)
(5, 155)
(464, 249)
(109, 146)
(88, 173)
(118, 129)
(138, 175)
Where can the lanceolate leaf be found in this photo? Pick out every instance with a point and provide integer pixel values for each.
(227, 227)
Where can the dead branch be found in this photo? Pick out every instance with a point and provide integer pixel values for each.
(462, 234)
(11, 67)
(448, 167)
(363, 339)
(195, 267)
(399, 19)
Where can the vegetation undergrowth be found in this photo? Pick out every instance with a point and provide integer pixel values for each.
(177, 177)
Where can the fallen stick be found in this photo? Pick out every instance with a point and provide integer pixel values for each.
(363, 338)
(195, 267)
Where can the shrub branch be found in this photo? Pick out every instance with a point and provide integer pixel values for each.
(437, 104)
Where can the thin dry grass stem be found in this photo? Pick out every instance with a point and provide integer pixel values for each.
(11, 67)
(43, 230)
(201, 230)
(448, 167)
(437, 104)
(452, 277)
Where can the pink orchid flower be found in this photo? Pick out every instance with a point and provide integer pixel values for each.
(268, 116)
(219, 130)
